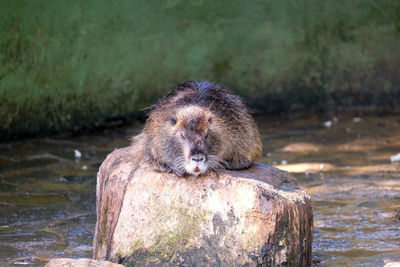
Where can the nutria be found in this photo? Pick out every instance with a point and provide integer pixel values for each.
(197, 127)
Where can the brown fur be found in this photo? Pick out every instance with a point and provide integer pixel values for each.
(200, 119)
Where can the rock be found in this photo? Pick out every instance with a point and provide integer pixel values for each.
(395, 158)
(64, 262)
(392, 264)
(233, 218)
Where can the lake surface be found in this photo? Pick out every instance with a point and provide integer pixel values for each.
(47, 187)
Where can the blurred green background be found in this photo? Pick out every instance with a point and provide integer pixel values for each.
(65, 65)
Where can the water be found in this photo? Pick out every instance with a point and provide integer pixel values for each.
(47, 194)
(353, 184)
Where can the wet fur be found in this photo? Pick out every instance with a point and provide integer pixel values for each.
(233, 141)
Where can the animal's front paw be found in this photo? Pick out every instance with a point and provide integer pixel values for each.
(237, 166)
(169, 169)
(179, 173)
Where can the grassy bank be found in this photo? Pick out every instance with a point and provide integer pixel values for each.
(69, 64)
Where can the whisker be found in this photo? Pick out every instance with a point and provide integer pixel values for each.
(179, 163)
(216, 162)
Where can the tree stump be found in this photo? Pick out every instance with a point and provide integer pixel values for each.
(229, 218)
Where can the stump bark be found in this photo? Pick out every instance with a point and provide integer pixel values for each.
(230, 218)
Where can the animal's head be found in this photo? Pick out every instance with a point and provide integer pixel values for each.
(189, 139)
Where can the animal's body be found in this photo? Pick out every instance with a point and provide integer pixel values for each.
(199, 126)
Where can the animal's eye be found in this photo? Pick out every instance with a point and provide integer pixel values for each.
(207, 134)
(209, 120)
(173, 120)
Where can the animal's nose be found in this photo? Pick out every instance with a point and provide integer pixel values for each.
(198, 158)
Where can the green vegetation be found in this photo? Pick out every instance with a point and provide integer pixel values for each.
(69, 64)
